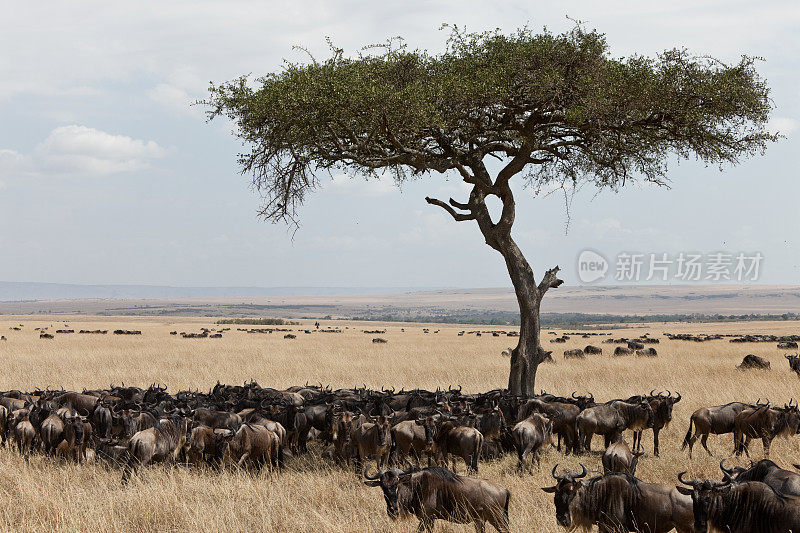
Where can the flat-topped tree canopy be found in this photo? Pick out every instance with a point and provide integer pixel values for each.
(547, 107)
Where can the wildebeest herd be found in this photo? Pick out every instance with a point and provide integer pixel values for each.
(416, 438)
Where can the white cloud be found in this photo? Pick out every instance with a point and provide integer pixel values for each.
(82, 150)
(782, 125)
(345, 185)
(174, 99)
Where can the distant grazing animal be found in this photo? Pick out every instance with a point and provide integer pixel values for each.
(753, 362)
(647, 352)
(575, 353)
(593, 350)
(379, 340)
(621, 350)
(789, 345)
(289, 336)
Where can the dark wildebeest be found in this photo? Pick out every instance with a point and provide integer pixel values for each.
(160, 443)
(372, 439)
(460, 441)
(563, 412)
(201, 445)
(788, 345)
(764, 423)
(716, 420)
(662, 412)
(575, 353)
(530, 435)
(619, 502)
(414, 437)
(611, 419)
(103, 420)
(24, 434)
(250, 444)
(647, 352)
(217, 419)
(437, 493)
(794, 363)
(618, 458)
(635, 345)
(621, 350)
(783, 481)
(593, 350)
(753, 362)
(748, 507)
(82, 403)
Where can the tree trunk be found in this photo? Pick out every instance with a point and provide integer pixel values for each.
(525, 358)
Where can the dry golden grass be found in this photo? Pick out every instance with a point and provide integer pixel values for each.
(312, 495)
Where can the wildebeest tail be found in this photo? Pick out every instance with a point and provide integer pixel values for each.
(477, 453)
(688, 436)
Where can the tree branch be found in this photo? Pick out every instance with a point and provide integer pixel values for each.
(550, 280)
(458, 217)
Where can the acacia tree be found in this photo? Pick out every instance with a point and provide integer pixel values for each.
(540, 108)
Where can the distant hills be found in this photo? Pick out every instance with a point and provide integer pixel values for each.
(11, 291)
(567, 304)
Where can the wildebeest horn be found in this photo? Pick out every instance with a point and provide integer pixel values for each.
(727, 471)
(652, 392)
(573, 394)
(678, 398)
(554, 471)
(371, 478)
(691, 483)
(583, 473)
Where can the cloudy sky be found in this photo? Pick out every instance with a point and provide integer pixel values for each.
(109, 175)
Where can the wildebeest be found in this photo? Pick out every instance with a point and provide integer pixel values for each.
(593, 350)
(575, 353)
(635, 345)
(783, 481)
(788, 345)
(460, 441)
(647, 352)
(716, 420)
(414, 437)
(748, 507)
(753, 362)
(662, 405)
(372, 439)
(530, 435)
(437, 493)
(765, 423)
(611, 419)
(618, 458)
(24, 434)
(379, 340)
(618, 502)
(794, 363)
(250, 444)
(622, 350)
(160, 443)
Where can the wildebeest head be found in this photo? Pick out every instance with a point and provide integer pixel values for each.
(564, 491)
(703, 493)
(340, 430)
(389, 481)
(382, 429)
(429, 426)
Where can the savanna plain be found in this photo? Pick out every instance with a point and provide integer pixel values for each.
(312, 494)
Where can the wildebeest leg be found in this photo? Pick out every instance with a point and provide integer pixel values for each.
(558, 447)
(766, 441)
(479, 527)
(655, 441)
(746, 446)
(704, 442)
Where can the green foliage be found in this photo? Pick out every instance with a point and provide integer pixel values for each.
(558, 106)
